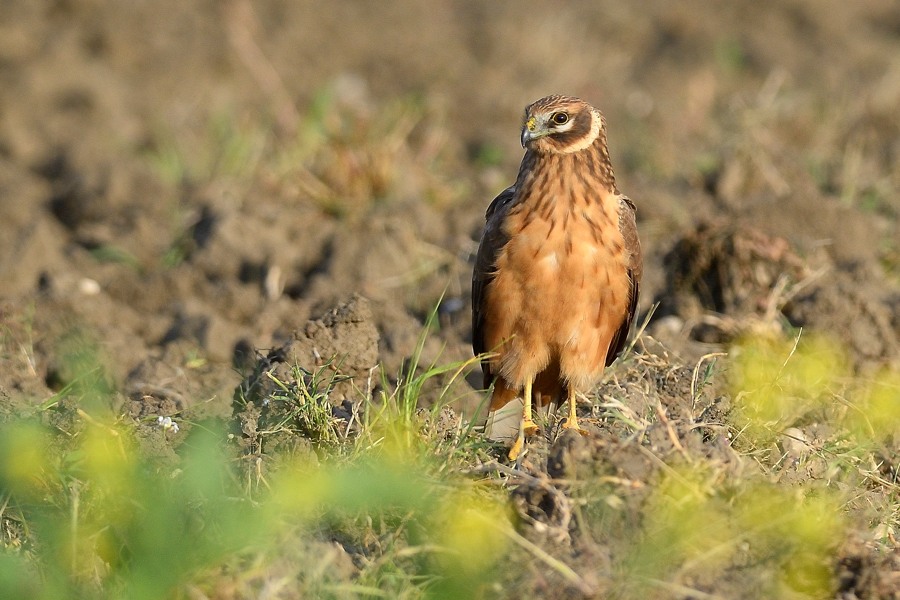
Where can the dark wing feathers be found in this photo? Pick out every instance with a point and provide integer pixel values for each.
(492, 240)
(628, 227)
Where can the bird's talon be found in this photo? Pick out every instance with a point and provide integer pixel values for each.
(574, 425)
(516, 449)
(528, 429)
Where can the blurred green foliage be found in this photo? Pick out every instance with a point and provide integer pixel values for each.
(86, 515)
(777, 382)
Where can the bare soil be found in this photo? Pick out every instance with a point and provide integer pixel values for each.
(188, 189)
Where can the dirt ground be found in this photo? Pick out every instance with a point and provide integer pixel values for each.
(187, 187)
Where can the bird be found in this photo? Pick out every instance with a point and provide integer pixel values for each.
(557, 273)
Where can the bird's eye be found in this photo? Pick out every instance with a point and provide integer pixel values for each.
(560, 118)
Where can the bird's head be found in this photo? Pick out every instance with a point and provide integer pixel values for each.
(560, 125)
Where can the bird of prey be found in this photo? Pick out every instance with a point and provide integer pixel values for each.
(557, 273)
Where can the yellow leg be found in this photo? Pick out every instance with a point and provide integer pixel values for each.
(572, 421)
(528, 426)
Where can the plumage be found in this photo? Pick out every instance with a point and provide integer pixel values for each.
(557, 273)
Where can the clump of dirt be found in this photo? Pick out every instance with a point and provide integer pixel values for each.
(344, 341)
(723, 268)
(309, 390)
(858, 308)
(865, 570)
(724, 281)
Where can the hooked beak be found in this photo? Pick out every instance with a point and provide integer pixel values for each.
(532, 130)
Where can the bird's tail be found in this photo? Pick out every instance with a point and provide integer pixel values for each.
(503, 424)
(507, 404)
(505, 413)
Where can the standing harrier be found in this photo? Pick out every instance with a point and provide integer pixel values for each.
(557, 272)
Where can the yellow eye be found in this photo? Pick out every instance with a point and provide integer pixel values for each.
(559, 118)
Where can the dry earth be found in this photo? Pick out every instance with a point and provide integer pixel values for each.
(190, 188)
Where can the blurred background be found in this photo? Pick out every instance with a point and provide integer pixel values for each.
(192, 180)
(184, 185)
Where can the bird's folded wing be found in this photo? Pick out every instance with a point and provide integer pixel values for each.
(628, 228)
(492, 241)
